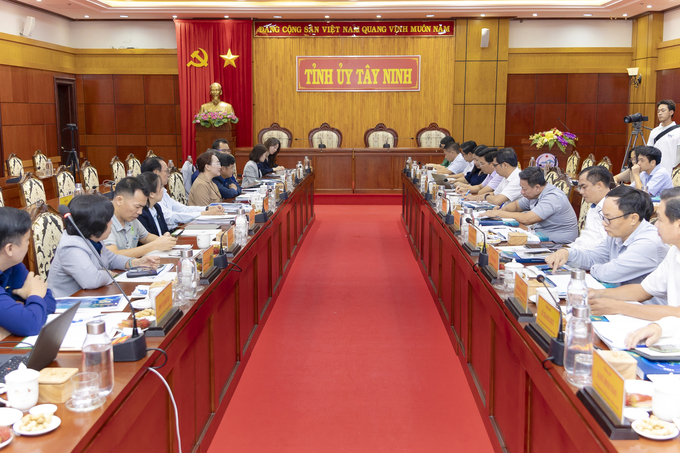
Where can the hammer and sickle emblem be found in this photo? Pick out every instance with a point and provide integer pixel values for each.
(202, 61)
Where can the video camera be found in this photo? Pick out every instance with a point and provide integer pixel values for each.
(635, 118)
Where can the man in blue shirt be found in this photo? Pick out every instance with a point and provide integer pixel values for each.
(25, 300)
(648, 172)
(226, 182)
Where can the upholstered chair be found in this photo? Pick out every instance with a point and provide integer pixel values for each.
(329, 136)
(606, 162)
(572, 165)
(64, 182)
(133, 165)
(89, 176)
(585, 207)
(380, 135)
(588, 161)
(283, 135)
(150, 153)
(15, 167)
(431, 136)
(2, 200)
(176, 186)
(46, 232)
(676, 176)
(552, 175)
(117, 169)
(564, 183)
(39, 161)
(31, 190)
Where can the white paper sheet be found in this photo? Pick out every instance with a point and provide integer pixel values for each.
(75, 336)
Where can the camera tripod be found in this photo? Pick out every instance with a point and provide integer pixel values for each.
(632, 141)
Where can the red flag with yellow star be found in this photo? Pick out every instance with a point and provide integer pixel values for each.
(215, 51)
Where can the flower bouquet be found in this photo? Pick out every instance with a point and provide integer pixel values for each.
(215, 119)
(554, 137)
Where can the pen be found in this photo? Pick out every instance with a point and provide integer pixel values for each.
(467, 193)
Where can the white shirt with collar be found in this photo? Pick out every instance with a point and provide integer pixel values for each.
(664, 281)
(176, 213)
(593, 232)
(510, 187)
(668, 145)
(458, 165)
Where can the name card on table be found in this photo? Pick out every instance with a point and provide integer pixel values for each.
(251, 219)
(65, 200)
(494, 258)
(472, 236)
(208, 260)
(608, 383)
(456, 220)
(265, 204)
(521, 290)
(445, 205)
(547, 317)
(163, 302)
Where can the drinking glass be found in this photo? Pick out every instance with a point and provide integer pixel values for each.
(85, 396)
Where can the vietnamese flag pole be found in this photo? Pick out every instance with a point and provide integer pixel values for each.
(215, 37)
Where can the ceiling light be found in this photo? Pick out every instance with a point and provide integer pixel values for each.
(277, 17)
(483, 15)
(587, 15)
(649, 6)
(378, 16)
(123, 17)
(326, 17)
(430, 15)
(625, 15)
(226, 17)
(87, 17)
(174, 17)
(535, 14)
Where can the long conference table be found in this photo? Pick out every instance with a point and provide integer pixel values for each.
(352, 170)
(207, 351)
(525, 407)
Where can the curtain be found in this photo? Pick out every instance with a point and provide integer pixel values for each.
(216, 37)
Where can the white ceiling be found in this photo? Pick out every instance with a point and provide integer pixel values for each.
(347, 9)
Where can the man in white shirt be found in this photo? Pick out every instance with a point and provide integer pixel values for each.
(593, 185)
(455, 157)
(509, 189)
(173, 211)
(663, 283)
(648, 174)
(668, 143)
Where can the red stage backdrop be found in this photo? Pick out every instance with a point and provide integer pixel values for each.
(200, 43)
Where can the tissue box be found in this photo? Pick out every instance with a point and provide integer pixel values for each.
(517, 238)
(622, 362)
(55, 384)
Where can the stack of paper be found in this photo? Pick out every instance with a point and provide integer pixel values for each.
(614, 332)
(75, 336)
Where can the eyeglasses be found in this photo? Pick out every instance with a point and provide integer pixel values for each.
(608, 221)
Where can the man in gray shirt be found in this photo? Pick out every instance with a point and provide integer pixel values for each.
(542, 205)
(633, 248)
(127, 232)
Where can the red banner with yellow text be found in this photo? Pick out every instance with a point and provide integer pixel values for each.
(358, 73)
(280, 29)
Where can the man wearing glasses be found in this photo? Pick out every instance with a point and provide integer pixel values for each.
(633, 248)
(593, 185)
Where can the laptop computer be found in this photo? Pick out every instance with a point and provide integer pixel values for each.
(46, 345)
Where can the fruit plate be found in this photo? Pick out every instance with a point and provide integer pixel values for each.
(56, 421)
(7, 442)
(637, 423)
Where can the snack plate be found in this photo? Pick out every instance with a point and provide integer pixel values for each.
(56, 421)
(7, 442)
(636, 423)
(9, 416)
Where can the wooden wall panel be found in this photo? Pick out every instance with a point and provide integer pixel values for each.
(128, 89)
(276, 99)
(592, 106)
(574, 60)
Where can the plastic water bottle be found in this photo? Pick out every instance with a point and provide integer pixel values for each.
(577, 291)
(300, 171)
(307, 161)
(241, 232)
(187, 277)
(171, 164)
(49, 168)
(98, 355)
(578, 351)
(272, 199)
(464, 226)
(79, 189)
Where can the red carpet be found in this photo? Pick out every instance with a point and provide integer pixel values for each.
(354, 356)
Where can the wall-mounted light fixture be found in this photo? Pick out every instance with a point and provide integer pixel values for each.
(635, 77)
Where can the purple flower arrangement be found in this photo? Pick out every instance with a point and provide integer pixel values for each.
(554, 137)
(215, 119)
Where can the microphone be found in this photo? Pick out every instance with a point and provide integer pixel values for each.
(556, 351)
(387, 145)
(133, 348)
(565, 126)
(483, 259)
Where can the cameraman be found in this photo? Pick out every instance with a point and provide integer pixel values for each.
(665, 137)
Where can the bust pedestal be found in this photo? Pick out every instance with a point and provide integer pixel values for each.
(205, 136)
(530, 151)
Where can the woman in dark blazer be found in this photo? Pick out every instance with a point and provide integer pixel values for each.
(152, 215)
(273, 146)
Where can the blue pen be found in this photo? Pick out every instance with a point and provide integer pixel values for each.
(467, 193)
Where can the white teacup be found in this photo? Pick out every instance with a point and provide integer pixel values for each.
(203, 241)
(666, 399)
(550, 295)
(22, 389)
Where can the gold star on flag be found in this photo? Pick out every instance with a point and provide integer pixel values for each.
(229, 58)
